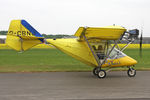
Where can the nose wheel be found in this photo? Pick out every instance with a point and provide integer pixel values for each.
(131, 72)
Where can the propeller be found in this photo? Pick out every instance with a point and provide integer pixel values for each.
(141, 41)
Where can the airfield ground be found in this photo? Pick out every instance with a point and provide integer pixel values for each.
(37, 60)
(74, 86)
(51, 85)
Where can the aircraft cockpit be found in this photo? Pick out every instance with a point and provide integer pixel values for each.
(102, 49)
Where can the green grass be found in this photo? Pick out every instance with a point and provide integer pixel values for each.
(143, 61)
(39, 60)
(54, 60)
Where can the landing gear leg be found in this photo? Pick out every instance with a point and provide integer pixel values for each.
(131, 72)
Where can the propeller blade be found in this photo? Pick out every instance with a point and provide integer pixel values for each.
(141, 41)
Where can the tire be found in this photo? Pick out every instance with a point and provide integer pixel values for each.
(95, 71)
(131, 72)
(101, 74)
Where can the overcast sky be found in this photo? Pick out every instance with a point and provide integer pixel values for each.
(65, 16)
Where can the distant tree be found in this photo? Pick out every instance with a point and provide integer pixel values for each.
(3, 32)
(56, 36)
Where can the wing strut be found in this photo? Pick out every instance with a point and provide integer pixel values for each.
(126, 46)
(95, 56)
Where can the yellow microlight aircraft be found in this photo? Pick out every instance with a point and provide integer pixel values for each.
(94, 46)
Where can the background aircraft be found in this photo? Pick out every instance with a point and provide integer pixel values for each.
(94, 46)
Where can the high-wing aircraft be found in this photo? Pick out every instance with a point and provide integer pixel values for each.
(94, 46)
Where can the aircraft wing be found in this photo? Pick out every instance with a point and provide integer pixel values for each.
(104, 33)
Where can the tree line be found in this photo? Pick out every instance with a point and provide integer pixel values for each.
(3, 32)
(45, 35)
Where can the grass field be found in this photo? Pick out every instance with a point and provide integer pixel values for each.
(54, 60)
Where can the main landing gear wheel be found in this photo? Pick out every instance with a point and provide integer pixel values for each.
(95, 71)
(131, 72)
(101, 74)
